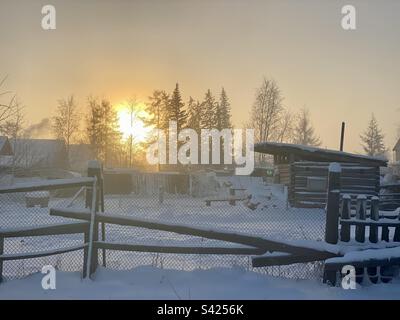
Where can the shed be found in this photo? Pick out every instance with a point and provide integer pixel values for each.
(304, 170)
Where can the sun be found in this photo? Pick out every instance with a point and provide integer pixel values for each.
(131, 119)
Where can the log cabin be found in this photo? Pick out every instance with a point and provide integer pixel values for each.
(304, 170)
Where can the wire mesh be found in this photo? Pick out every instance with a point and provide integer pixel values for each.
(31, 209)
(261, 211)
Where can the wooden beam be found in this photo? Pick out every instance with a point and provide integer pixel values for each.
(30, 255)
(378, 223)
(45, 230)
(258, 242)
(330, 266)
(287, 258)
(178, 249)
(48, 185)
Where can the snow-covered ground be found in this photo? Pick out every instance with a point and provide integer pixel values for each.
(271, 218)
(220, 283)
(172, 276)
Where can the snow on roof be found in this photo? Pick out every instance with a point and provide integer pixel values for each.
(40, 152)
(316, 154)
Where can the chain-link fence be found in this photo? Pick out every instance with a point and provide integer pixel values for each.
(27, 210)
(259, 209)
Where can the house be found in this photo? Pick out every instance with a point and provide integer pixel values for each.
(6, 152)
(40, 153)
(304, 170)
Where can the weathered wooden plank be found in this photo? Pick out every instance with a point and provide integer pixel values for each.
(362, 264)
(45, 230)
(178, 249)
(287, 259)
(264, 243)
(373, 223)
(48, 185)
(31, 255)
(345, 214)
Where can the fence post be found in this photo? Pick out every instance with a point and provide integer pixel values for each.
(1, 261)
(93, 199)
(232, 195)
(85, 252)
(360, 230)
(160, 194)
(373, 230)
(332, 211)
(103, 225)
(373, 236)
(345, 214)
(361, 215)
(396, 236)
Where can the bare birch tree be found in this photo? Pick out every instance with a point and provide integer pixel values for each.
(66, 121)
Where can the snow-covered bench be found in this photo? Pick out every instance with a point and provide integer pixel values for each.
(232, 200)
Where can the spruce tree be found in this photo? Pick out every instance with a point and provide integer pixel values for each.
(224, 111)
(210, 107)
(176, 111)
(372, 139)
(194, 115)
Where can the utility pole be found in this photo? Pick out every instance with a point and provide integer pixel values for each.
(342, 136)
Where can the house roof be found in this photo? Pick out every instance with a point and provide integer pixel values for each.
(316, 154)
(397, 145)
(40, 152)
(5, 147)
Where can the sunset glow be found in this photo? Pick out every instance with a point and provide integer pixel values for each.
(132, 123)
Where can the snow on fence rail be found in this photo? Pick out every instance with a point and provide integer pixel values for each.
(337, 250)
(46, 230)
(48, 185)
(254, 245)
(343, 226)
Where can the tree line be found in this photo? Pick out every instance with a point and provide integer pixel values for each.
(101, 126)
(97, 125)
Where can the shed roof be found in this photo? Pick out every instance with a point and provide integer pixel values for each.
(316, 154)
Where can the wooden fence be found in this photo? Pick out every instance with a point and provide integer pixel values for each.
(341, 225)
(52, 229)
(365, 226)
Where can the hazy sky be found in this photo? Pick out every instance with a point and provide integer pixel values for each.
(118, 49)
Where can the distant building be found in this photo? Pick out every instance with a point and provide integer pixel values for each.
(40, 153)
(6, 152)
(396, 150)
(304, 170)
(79, 155)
